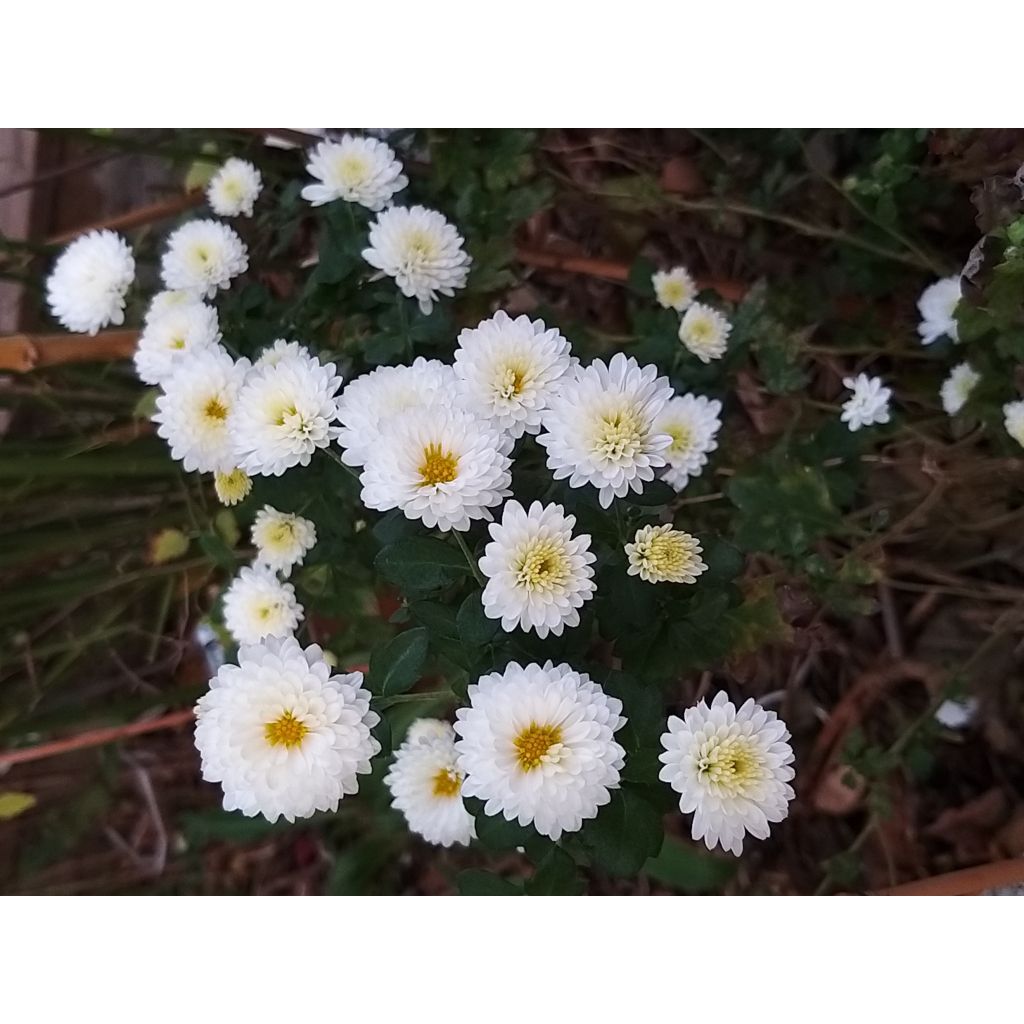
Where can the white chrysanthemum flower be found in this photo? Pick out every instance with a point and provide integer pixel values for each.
(661, 554)
(285, 412)
(1013, 420)
(937, 307)
(426, 785)
(538, 574)
(232, 487)
(692, 422)
(599, 428)
(705, 332)
(869, 403)
(192, 413)
(234, 189)
(383, 395)
(282, 539)
(441, 465)
(164, 302)
(258, 605)
(202, 256)
(281, 734)
(421, 251)
(507, 370)
(675, 288)
(173, 337)
(280, 349)
(357, 170)
(731, 769)
(957, 387)
(537, 744)
(88, 283)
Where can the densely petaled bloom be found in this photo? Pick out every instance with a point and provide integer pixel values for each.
(202, 256)
(164, 302)
(661, 554)
(1013, 420)
(957, 387)
(357, 170)
(234, 189)
(421, 251)
(193, 411)
(232, 487)
(599, 428)
(441, 465)
(282, 539)
(675, 288)
(174, 336)
(88, 283)
(426, 785)
(692, 422)
(731, 769)
(285, 411)
(537, 745)
(507, 370)
(258, 605)
(869, 403)
(281, 734)
(705, 332)
(937, 307)
(383, 395)
(538, 574)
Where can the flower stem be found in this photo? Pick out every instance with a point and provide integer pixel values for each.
(477, 575)
(338, 459)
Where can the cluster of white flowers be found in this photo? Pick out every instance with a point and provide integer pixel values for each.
(703, 330)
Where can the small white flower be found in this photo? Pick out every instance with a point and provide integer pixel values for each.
(937, 306)
(507, 370)
(537, 746)
(421, 251)
(957, 714)
(202, 256)
(258, 605)
(358, 170)
(869, 403)
(440, 465)
(599, 427)
(280, 349)
(285, 411)
(173, 337)
(1013, 413)
(957, 387)
(538, 574)
(705, 332)
(232, 486)
(426, 785)
(89, 281)
(164, 302)
(675, 288)
(193, 412)
(281, 734)
(661, 554)
(731, 769)
(282, 539)
(692, 422)
(234, 189)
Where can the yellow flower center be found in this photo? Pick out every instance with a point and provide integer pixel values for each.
(510, 383)
(281, 534)
(541, 565)
(534, 745)
(232, 487)
(233, 188)
(701, 330)
(673, 291)
(201, 254)
(619, 435)
(215, 409)
(285, 731)
(732, 764)
(667, 554)
(352, 169)
(438, 466)
(682, 437)
(420, 247)
(447, 783)
(177, 343)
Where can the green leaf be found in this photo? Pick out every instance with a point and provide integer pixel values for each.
(12, 804)
(397, 665)
(624, 834)
(421, 563)
(483, 883)
(437, 617)
(556, 875)
(688, 869)
(475, 628)
(204, 827)
(213, 545)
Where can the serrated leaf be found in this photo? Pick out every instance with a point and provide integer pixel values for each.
(624, 834)
(556, 875)
(396, 666)
(421, 563)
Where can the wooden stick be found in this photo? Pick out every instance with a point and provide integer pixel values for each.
(24, 352)
(136, 218)
(969, 882)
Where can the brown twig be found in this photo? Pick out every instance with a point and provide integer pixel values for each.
(141, 215)
(24, 352)
(969, 882)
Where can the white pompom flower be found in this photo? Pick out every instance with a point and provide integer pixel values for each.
(282, 539)
(538, 574)
(661, 554)
(355, 169)
(173, 337)
(868, 404)
(258, 605)
(440, 465)
(693, 424)
(426, 785)
(599, 428)
(731, 768)
(957, 388)
(232, 486)
(421, 251)
(86, 288)
(704, 332)
(234, 189)
(537, 745)
(193, 412)
(507, 370)
(675, 288)
(1013, 420)
(937, 306)
(282, 735)
(202, 256)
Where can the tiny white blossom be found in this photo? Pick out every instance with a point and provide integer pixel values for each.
(234, 189)
(282, 539)
(675, 288)
(704, 332)
(1013, 420)
(957, 388)
(173, 337)
(357, 170)
(202, 256)
(86, 288)
(869, 403)
(937, 306)
(692, 422)
(232, 486)
(258, 605)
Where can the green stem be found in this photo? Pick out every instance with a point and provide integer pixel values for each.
(338, 459)
(477, 575)
(409, 698)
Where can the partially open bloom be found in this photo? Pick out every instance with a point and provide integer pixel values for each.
(869, 403)
(232, 486)
(957, 388)
(731, 769)
(537, 745)
(675, 288)
(202, 256)
(171, 338)
(705, 332)
(507, 370)
(1013, 420)
(937, 307)
(281, 734)
(538, 574)
(661, 554)
(421, 251)
(599, 428)
(692, 422)
(426, 785)
(282, 539)
(357, 170)
(440, 465)
(234, 189)
(258, 605)
(89, 281)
